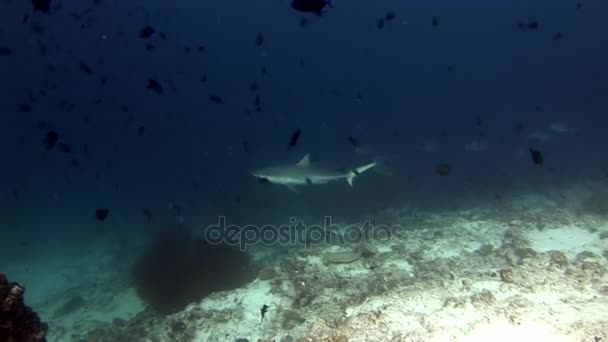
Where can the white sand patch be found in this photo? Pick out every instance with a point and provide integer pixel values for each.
(570, 240)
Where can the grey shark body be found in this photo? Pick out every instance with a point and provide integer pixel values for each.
(304, 173)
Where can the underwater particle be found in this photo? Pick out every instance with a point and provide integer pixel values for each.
(140, 130)
(102, 214)
(87, 69)
(558, 36)
(65, 148)
(435, 22)
(25, 18)
(216, 99)
(187, 50)
(155, 86)
(146, 32)
(390, 15)
(443, 169)
(380, 24)
(263, 311)
(4, 51)
(50, 140)
(201, 48)
(354, 142)
(43, 6)
(303, 22)
(259, 39)
(318, 7)
(257, 100)
(293, 141)
(537, 156)
(264, 70)
(162, 35)
(203, 79)
(579, 5)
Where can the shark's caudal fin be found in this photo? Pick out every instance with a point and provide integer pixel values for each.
(357, 171)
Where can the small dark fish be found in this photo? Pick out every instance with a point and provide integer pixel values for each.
(216, 99)
(86, 68)
(102, 214)
(140, 130)
(147, 214)
(257, 100)
(533, 25)
(293, 141)
(26, 108)
(390, 15)
(259, 39)
(201, 48)
(435, 22)
(187, 50)
(264, 70)
(353, 142)
(51, 140)
(443, 169)
(43, 6)
(253, 86)
(65, 148)
(4, 51)
(25, 18)
(380, 24)
(579, 5)
(537, 156)
(146, 32)
(203, 79)
(264, 310)
(318, 7)
(155, 86)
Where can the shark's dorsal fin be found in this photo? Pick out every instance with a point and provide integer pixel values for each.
(304, 161)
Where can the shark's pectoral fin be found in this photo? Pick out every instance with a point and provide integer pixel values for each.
(292, 188)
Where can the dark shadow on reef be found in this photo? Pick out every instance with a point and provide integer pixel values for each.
(179, 267)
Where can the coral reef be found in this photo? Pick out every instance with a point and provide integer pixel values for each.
(18, 323)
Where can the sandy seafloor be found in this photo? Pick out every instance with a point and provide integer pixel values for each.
(527, 268)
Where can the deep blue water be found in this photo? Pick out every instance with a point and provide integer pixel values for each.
(475, 76)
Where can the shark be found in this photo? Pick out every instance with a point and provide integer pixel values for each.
(305, 173)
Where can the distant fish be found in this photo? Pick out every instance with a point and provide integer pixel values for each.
(443, 169)
(50, 140)
(318, 7)
(537, 156)
(102, 214)
(559, 127)
(293, 141)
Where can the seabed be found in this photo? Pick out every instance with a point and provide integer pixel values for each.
(531, 268)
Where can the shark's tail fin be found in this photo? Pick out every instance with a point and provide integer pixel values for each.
(357, 171)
